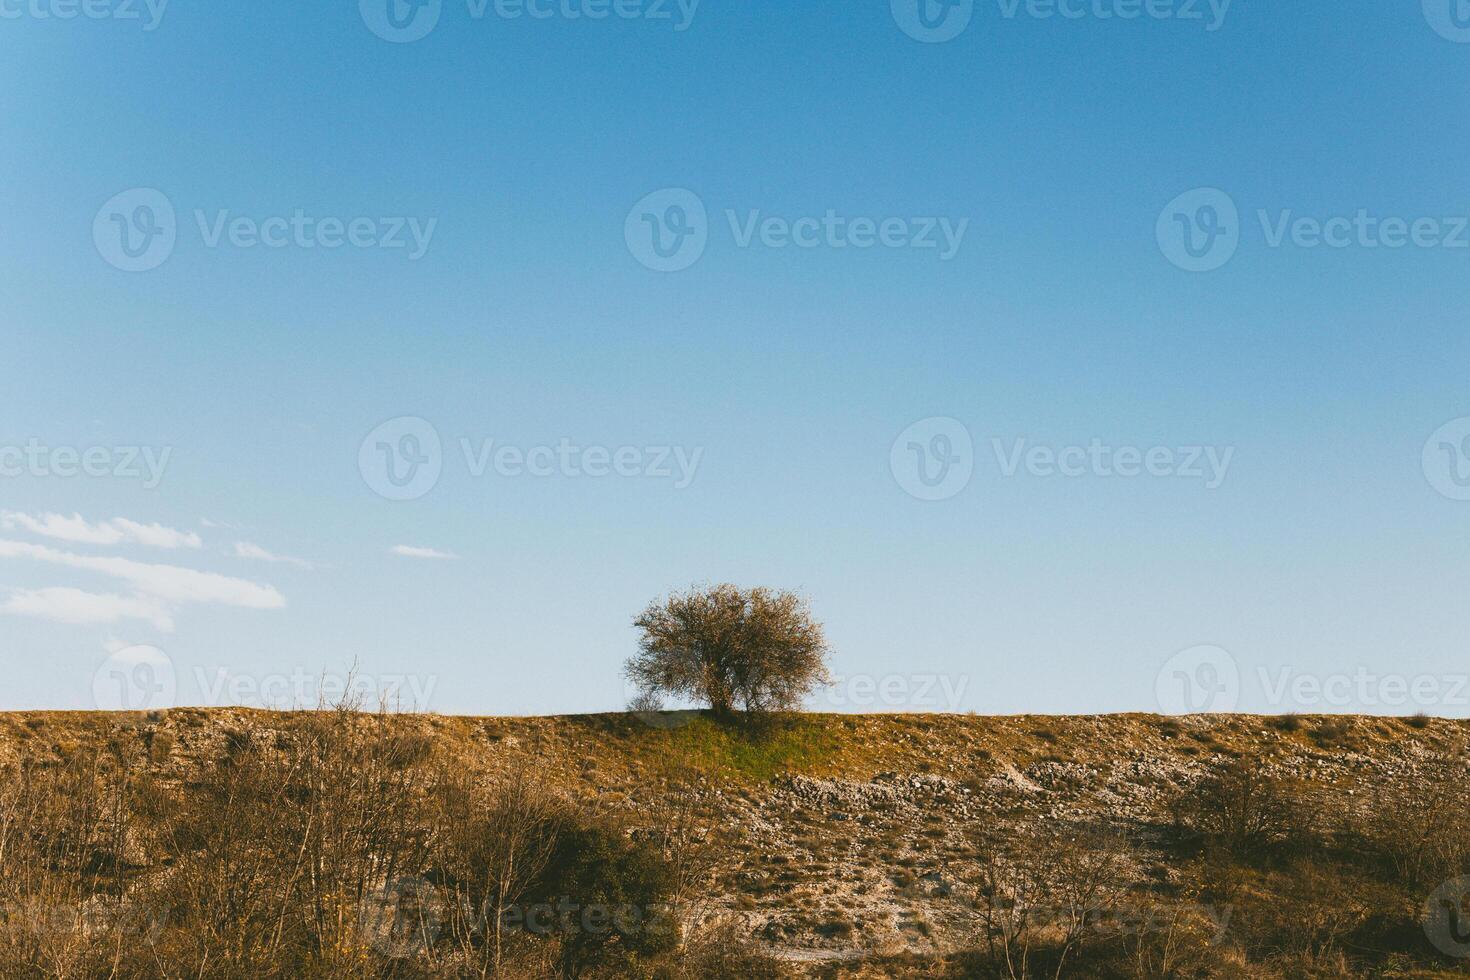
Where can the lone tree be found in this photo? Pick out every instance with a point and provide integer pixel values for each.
(751, 649)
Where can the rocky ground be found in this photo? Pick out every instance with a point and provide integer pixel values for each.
(853, 836)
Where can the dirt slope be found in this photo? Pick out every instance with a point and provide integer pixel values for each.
(848, 836)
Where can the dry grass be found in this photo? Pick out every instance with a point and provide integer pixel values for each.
(231, 842)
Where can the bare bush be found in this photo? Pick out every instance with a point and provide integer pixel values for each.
(282, 844)
(1175, 939)
(1243, 809)
(333, 845)
(65, 835)
(1043, 895)
(1423, 829)
(492, 845)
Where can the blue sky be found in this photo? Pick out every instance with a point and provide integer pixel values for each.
(528, 152)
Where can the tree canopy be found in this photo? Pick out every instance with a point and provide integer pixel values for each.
(757, 650)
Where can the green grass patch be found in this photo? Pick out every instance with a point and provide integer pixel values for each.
(758, 753)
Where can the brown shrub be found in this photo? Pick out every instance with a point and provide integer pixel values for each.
(1245, 810)
(1422, 829)
(1041, 895)
(333, 844)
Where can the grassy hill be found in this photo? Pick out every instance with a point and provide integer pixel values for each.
(830, 845)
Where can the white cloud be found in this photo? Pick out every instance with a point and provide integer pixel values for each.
(244, 549)
(86, 608)
(156, 535)
(162, 581)
(116, 531)
(409, 551)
